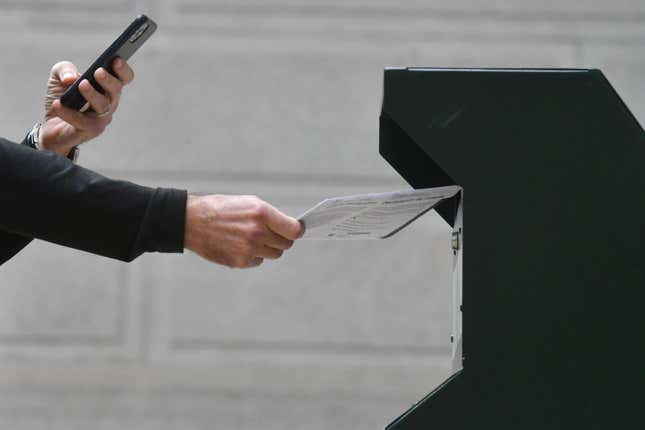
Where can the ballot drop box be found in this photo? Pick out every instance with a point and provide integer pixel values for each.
(548, 243)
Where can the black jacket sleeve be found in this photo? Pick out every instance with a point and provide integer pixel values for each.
(44, 195)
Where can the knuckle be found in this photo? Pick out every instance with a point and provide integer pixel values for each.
(255, 234)
(261, 210)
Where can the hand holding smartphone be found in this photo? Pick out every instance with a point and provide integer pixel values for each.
(124, 47)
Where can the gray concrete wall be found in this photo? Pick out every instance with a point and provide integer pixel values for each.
(278, 99)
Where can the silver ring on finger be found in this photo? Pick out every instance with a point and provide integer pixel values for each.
(104, 113)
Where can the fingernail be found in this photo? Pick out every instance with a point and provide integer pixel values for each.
(118, 63)
(67, 75)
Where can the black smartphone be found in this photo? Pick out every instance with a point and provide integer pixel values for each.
(124, 46)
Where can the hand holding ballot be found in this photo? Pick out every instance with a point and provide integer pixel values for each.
(238, 231)
(241, 231)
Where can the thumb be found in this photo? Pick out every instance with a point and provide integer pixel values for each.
(65, 72)
(284, 225)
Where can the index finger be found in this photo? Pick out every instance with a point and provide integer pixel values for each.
(284, 225)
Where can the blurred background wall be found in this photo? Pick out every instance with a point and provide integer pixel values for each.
(280, 99)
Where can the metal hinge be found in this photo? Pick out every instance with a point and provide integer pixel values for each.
(456, 240)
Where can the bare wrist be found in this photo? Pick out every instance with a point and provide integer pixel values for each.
(192, 217)
(48, 141)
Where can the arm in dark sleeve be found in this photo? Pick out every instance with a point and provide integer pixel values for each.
(44, 195)
(11, 244)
